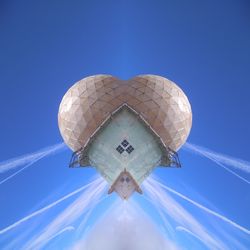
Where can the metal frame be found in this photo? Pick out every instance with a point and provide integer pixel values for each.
(79, 159)
(172, 158)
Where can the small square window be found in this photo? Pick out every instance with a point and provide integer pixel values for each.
(125, 143)
(120, 149)
(130, 149)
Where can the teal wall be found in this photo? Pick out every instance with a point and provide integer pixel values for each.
(125, 124)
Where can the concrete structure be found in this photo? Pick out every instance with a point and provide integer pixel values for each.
(125, 128)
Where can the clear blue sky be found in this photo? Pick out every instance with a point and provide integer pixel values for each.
(46, 46)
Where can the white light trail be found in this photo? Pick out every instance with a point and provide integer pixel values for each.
(230, 171)
(225, 219)
(180, 228)
(66, 229)
(174, 210)
(20, 170)
(42, 210)
(32, 157)
(217, 157)
(69, 215)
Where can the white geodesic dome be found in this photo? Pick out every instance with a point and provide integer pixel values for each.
(157, 100)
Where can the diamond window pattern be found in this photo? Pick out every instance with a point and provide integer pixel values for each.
(125, 146)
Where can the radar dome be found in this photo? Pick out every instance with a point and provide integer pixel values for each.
(159, 102)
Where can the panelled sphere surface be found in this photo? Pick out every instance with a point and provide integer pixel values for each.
(91, 100)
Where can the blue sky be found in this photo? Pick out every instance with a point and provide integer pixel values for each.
(46, 46)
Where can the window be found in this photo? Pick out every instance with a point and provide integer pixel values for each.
(125, 145)
(129, 149)
(120, 149)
